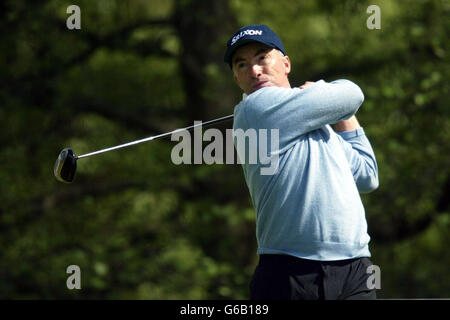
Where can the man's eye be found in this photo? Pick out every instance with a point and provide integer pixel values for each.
(264, 58)
(241, 65)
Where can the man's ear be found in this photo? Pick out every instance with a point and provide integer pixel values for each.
(287, 64)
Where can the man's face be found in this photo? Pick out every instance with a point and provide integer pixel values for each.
(256, 65)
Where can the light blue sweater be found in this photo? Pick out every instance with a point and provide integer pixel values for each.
(311, 207)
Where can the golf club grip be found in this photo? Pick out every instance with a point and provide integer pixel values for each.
(132, 143)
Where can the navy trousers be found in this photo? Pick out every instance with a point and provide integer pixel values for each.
(284, 277)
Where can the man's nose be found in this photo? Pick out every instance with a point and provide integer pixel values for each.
(256, 70)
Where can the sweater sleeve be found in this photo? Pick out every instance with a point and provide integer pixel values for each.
(361, 158)
(297, 111)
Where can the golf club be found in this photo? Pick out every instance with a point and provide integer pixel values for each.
(66, 163)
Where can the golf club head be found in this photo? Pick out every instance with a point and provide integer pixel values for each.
(65, 166)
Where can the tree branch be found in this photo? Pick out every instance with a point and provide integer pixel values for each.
(114, 40)
(444, 200)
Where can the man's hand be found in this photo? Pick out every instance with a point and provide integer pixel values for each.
(343, 125)
(307, 84)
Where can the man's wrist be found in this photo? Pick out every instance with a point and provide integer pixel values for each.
(346, 125)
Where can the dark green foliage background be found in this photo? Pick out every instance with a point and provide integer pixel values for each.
(141, 227)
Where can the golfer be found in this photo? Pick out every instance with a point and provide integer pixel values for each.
(310, 222)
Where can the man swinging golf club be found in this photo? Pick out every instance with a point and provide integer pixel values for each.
(310, 222)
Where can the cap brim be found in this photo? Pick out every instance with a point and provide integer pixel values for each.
(230, 52)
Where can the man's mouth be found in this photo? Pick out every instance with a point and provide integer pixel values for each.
(261, 84)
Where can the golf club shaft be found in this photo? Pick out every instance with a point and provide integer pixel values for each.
(132, 143)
